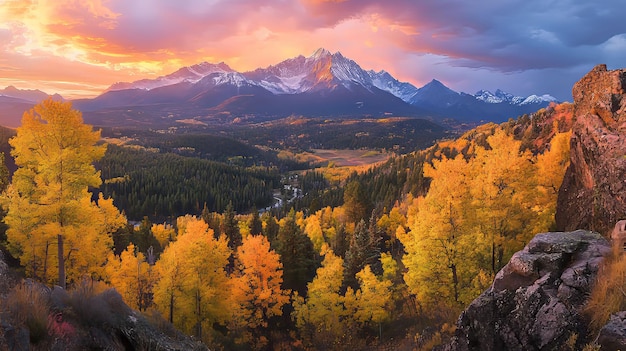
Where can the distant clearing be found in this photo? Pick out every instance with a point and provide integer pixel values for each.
(346, 158)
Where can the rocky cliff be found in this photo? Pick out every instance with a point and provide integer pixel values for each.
(535, 300)
(593, 193)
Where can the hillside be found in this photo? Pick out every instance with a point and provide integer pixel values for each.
(584, 311)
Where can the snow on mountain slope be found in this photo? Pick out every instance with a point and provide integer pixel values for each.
(534, 99)
(301, 74)
(500, 96)
(191, 74)
(384, 81)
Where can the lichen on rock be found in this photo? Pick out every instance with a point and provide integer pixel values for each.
(535, 300)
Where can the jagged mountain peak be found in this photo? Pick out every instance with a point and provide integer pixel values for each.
(501, 96)
(189, 74)
(330, 74)
(31, 95)
(320, 53)
(320, 70)
(438, 87)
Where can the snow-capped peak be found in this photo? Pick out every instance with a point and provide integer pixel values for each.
(386, 82)
(319, 53)
(489, 97)
(302, 74)
(503, 97)
(190, 74)
(534, 99)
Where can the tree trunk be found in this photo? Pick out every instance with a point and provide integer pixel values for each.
(455, 282)
(61, 262)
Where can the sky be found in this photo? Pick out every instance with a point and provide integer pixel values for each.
(78, 48)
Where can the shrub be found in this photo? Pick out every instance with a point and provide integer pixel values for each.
(28, 305)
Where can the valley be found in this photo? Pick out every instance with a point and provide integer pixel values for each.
(370, 221)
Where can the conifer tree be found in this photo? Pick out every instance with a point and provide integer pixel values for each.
(355, 201)
(271, 228)
(230, 228)
(297, 255)
(363, 251)
(256, 226)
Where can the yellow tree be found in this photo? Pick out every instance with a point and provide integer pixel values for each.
(551, 167)
(257, 290)
(373, 298)
(502, 189)
(441, 249)
(49, 198)
(323, 319)
(313, 230)
(193, 289)
(164, 233)
(131, 276)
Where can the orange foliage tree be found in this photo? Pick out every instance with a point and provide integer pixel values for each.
(257, 290)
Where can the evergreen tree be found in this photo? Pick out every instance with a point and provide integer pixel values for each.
(297, 254)
(256, 226)
(356, 201)
(363, 251)
(230, 228)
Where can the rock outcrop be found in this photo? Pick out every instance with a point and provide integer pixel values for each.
(593, 193)
(613, 334)
(535, 300)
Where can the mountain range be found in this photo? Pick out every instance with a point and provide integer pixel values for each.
(320, 85)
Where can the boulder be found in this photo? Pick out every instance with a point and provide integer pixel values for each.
(534, 301)
(612, 336)
(593, 193)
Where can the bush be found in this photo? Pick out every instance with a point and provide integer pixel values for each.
(28, 305)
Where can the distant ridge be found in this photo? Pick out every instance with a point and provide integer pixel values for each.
(14, 101)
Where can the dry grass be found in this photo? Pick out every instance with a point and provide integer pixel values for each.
(609, 294)
(29, 306)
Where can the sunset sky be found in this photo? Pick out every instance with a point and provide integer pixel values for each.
(80, 47)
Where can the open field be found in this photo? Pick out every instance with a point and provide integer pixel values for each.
(345, 158)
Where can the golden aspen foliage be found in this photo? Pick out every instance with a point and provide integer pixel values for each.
(390, 266)
(193, 290)
(256, 290)
(373, 298)
(440, 246)
(164, 233)
(55, 151)
(313, 230)
(551, 167)
(503, 193)
(322, 317)
(479, 210)
(391, 221)
(131, 276)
